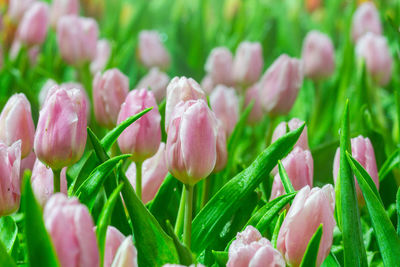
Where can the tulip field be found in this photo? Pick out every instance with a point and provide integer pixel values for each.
(238, 133)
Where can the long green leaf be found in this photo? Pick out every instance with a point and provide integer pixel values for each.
(8, 232)
(398, 211)
(391, 162)
(81, 170)
(221, 257)
(311, 254)
(5, 258)
(330, 261)
(185, 256)
(287, 184)
(277, 228)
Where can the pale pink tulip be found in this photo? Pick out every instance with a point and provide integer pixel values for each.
(17, 8)
(207, 84)
(248, 63)
(103, 52)
(60, 8)
(27, 163)
(293, 124)
(32, 29)
(365, 19)
(257, 113)
(151, 50)
(219, 66)
(222, 153)
(155, 81)
(126, 255)
(114, 239)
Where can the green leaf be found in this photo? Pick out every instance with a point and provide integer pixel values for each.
(221, 257)
(5, 258)
(185, 256)
(81, 170)
(278, 225)
(391, 162)
(211, 219)
(8, 232)
(330, 261)
(287, 184)
(311, 254)
(98, 148)
(387, 238)
(398, 211)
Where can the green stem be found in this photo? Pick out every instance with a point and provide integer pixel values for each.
(317, 106)
(56, 180)
(270, 130)
(206, 190)
(187, 232)
(181, 214)
(139, 179)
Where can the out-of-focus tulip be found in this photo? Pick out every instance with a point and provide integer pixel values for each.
(299, 166)
(219, 66)
(222, 153)
(61, 131)
(181, 89)
(280, 85)
(17, 8)
(71, 229)
(126, 255)
(250, 249)
(152, 52)
(153, 173)
(293, 124)
(257, 113)
(375, 51)
(225, 104)
(45, 90)
(156, 81)
(248, 63)
(114, 239)
(61, 8)
(310, 208)
(207, 84)
(142, 138)
(10, 161)
(109, 92)
(42, 182)
(103, 52)
(318, 55)
(33, 27)
(365, 19)
(77, 39)
(16, 123)
(27, 163)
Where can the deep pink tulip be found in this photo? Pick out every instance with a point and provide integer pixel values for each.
(109, 92)
(219, 66)
(142, 138)
(114, 239)
(222, 153)
(61, 8)
(207, 84)
(365, 19)
(71, 229)
(257, 113)
(17, 8)
(248, 63)
(34, 24)
(16, 123)
(152, 52)
(191, 142)
(310, 208)
(103, 52)
(293, 124)
(27, 163)
(126, 255)
(155, 81)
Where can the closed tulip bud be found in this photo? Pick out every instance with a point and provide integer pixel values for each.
(299, 166)
(155, 81)
(222, 153)
(10, 162)
(109, 92)
(47, 86)
(318, 55)
(375, 51)
(27, 163)
(61, 8)
(256, 113)
(114, 239)
(74, 85)
(181, 89)
(219, 66)
(33, 27)
(207, 84)
(310, 208)
(70, 227)
(365, 19)
(16, 123)
(248, 63)
(280, 85)
(77, 39)
(42, 182)
(126, 255)
(142, 138)
(225, 104)
(250, 249)
(191, 142)
(154, 171)
(17, 8)
(103, 52)
(61, 131)
(293, 124)
(151, 51)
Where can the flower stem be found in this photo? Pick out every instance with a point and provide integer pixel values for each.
(187, 232)
(139, 179)
(181, 214)
(56, 180)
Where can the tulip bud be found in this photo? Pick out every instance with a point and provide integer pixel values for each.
(310, 208)
(256, 114)
(181, 89)
(109, 92)
(248, 63)
(77, 39)
(142, 138)
(74, 85)
(154, 171)
(61, 131)
(207, 84)
(155, 81)
(114, 239)
(60, 8)
(33, 27)
(222, 153)
(16, 123)
(103, 51)
(70, 227)
(299, 166)
(219, 66)
(152, 52)
(47, 86)
(293, 124)
(126, 255)
(225, 104)
(365, 19)
(27, 163)
(280, 85)
(318, 55)
(17, 8)
(10, 160)
(250, 249)
(42, 182)
(375, 51)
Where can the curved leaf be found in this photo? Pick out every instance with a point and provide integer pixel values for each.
(8, 232)
(5, 258)
(391, 162)
(287, 184)
(311, 254)
(398, 211)
(278, 225)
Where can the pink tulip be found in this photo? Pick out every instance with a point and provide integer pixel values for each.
(142, 138)
(219, 66)
(16, 123)
(61, 8)
(109, 92)
(154, 171)
(61, 131)
(46, 87)
(33, 27)
(155, 81)
(248, 63)
(17, 8)
(293, 124)
(318, 55)
(74, 85)
(310, 208)
(225, 103)
(126, 255)
(280, 85)
(10, 160)
(365, 19)
(222, 153)
(191, 142)
(375, 51)
(42, 182)
(181, 89)
(103, 52)
(207, 84)
(250, 249)
(114, 239)
(257, 113)
(77, 39)
(71, 229)
(152, 52)
(27, 163)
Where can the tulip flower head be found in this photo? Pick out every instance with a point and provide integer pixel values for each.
(365, 19)
(33, 27)
(248, 63)
(219, 66)
(155, 81)
(292, 125)
(151, 51)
